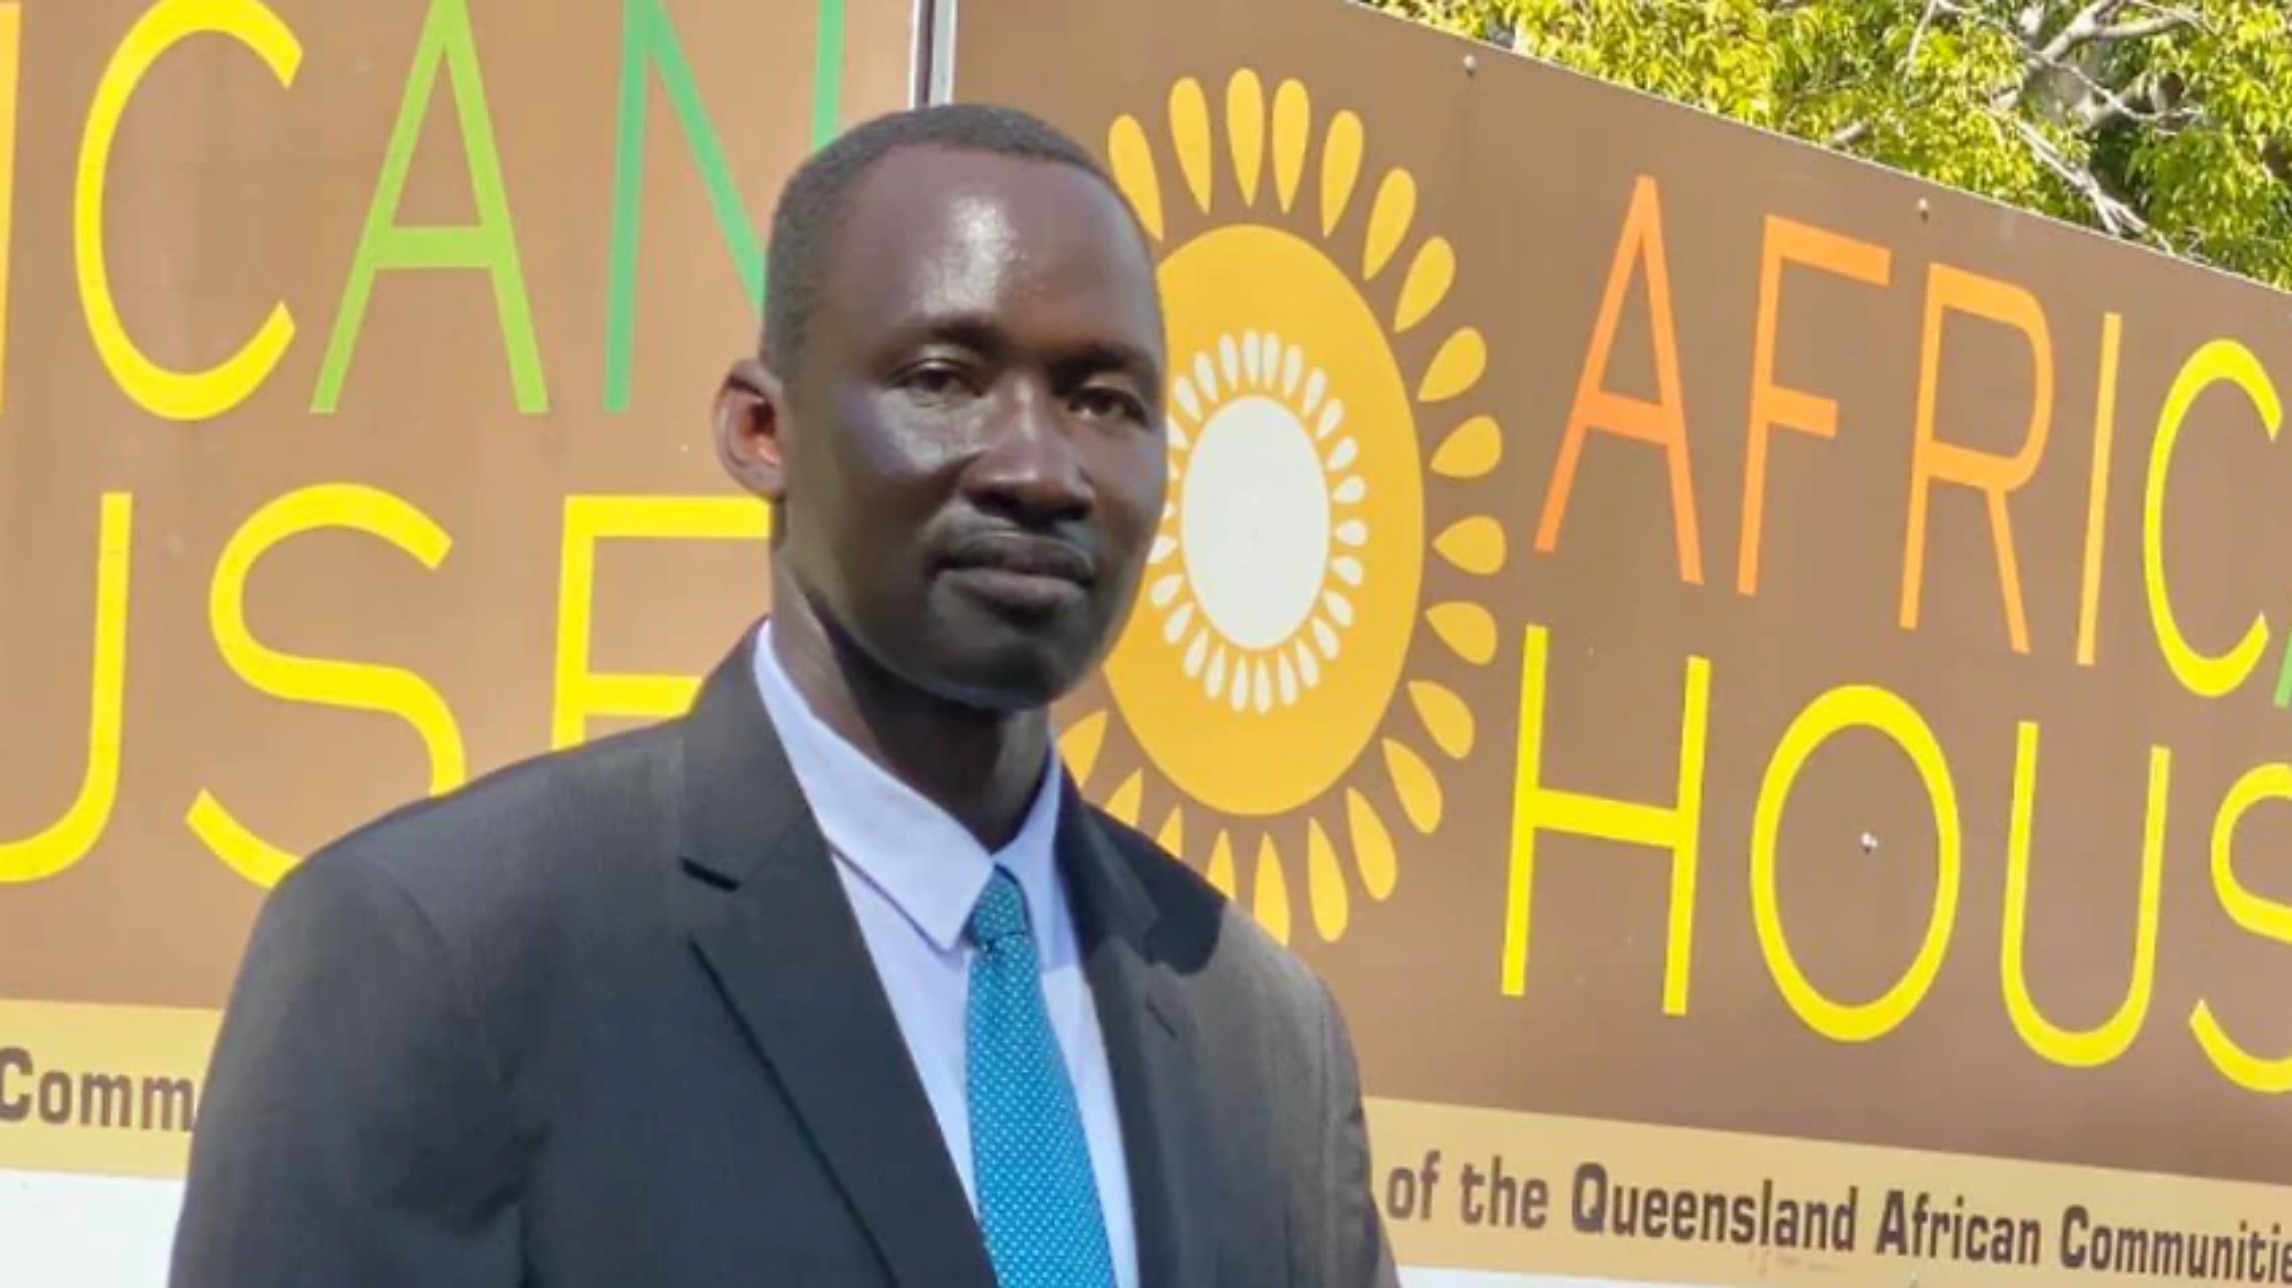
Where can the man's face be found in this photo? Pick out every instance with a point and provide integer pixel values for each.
(972, 454)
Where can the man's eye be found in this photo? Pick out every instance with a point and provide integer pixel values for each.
(936, 380)
(1111, 404)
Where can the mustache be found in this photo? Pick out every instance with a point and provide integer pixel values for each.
(1068, 555)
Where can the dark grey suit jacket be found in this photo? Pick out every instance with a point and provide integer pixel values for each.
(605, 1020)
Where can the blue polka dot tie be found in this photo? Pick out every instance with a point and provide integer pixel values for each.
(1038, 1198)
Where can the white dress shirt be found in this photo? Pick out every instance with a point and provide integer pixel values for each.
(913, 875)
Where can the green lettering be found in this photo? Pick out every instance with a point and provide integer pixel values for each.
(828, 73)
(649, 38)
(489, 244)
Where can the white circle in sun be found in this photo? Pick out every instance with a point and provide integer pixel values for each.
(1266, 526)
(1255, 519)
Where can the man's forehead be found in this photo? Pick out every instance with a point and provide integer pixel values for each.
(933, 235)
(917, 169)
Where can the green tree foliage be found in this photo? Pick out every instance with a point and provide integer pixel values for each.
(2169, 124)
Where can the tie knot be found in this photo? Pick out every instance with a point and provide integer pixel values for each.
(1001, 913)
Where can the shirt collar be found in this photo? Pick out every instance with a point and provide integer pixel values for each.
(928, 865)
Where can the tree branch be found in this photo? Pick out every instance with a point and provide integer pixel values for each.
(2079, 29)
(2105, 107)
(1918, 37)
(2057, 57)
(2146, 28)
(2117, 218)
(2087, 29)
(1848, 135)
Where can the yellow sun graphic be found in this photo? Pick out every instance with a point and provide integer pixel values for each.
(1256, 683)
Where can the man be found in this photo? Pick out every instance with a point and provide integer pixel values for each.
(834, 980)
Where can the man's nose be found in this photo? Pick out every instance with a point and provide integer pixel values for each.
(1031, 470)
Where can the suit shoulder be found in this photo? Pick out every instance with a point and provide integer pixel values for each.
(488, 838)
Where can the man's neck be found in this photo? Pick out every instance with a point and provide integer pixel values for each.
(983, 768)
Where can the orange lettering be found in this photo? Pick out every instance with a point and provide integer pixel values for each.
(1662, 423)
(1775, 406)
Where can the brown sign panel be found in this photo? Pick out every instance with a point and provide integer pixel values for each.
(354, 440)
(1687, 629)
(1701, 641)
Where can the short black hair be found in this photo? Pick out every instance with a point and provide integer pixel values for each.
(811, 205)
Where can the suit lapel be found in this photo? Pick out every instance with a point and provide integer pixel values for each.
(770, 921)
(1141, 1013)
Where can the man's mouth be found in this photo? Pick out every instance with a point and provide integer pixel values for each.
(1021, 573)
(1024, 555)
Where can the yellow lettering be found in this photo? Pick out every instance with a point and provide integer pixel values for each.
(2087, 1048)
(65, 842)
(176, 395)
(1537, 808)
(2218, 362)
(2263, 917)
(582, 696)
(2097, 492)
(351, 685)
(1950, 290)
(1841, 709)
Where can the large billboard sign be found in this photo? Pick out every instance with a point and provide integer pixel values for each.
(1762, 682)
(354, 440)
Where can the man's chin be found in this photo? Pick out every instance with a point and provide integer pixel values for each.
(1006, 681)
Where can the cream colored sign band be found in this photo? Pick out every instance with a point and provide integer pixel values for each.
(1486, 1190)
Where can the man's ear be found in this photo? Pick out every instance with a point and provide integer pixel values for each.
(751, 429)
